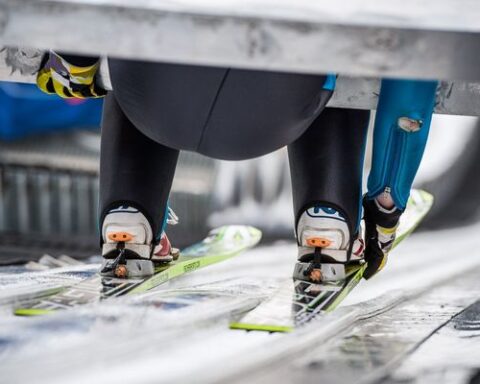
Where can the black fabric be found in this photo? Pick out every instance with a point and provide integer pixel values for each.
(373, 216)
(134, 169)
(326, 163)
(223, 113)
(228, 114)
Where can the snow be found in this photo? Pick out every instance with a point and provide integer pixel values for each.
(135, 340)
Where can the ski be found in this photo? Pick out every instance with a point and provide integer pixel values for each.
(297, 301)
(29, 283)
(221, 244)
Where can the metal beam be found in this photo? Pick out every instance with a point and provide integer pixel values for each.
(454, 98)
(375, 38)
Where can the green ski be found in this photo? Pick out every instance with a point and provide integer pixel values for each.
(221, 244)
(297, 301)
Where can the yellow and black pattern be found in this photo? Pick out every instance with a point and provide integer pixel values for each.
(57, 76)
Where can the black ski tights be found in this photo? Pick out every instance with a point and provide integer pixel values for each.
(326, 164)
(134, 169)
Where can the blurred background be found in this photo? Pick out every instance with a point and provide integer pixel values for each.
(49, 163)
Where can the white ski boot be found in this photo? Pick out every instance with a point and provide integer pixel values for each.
(324, 247)
(128, 244)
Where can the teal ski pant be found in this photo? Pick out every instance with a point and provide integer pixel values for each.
(402, 124)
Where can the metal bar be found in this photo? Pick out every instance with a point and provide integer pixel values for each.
(454, 98)
(376, 38)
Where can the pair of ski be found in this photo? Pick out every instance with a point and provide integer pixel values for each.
(295, 303)
(221, 244)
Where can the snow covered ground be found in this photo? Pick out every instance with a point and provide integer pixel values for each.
(147, 339)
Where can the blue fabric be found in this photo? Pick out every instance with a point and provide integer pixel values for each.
(164, 223)
(330, 82)
(396, 152)
(25, 110)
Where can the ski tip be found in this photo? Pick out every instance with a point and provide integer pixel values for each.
(256, 235)
(32, 312)
(234, 230)
(261, 327)
(418, 196)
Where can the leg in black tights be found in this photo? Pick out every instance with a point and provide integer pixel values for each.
(134, 170)
(326, 164)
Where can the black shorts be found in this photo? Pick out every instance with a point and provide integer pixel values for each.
(223, 113)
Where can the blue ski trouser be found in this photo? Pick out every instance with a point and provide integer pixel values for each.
(402, 124)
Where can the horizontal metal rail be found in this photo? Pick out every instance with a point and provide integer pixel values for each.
(454, 98)
(374, 38)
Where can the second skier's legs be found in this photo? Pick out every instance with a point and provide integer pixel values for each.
(326, 168)
(401, 131)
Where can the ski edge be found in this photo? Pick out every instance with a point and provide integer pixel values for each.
(30, 312)
(260, 327)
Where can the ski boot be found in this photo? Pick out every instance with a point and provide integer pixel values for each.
(324, 246)
(128, 249)
(380, 230)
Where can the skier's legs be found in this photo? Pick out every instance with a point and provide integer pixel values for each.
(402, 125)
(326, 165)
(222, 113)
(135, 171)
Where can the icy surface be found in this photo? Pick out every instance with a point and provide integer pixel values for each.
(180, 330)
(21, 283)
